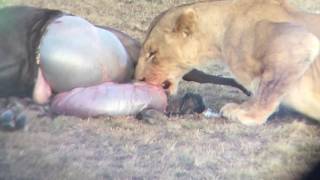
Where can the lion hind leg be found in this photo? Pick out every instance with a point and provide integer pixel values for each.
(287, 57)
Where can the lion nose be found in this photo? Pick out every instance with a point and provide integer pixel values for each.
(166, 84)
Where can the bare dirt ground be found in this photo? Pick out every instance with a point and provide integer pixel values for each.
(188, 147)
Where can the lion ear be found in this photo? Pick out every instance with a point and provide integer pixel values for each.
(186, 23)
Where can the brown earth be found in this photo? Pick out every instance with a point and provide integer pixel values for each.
(187, 147)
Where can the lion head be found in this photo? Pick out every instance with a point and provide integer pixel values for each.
(170, 50)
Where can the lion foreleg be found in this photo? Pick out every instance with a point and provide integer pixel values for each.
(287, 58)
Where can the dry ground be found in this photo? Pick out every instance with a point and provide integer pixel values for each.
(189, 147)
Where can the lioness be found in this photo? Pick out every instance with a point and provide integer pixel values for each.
(269, 46)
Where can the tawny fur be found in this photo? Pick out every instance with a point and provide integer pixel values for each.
(269, 46)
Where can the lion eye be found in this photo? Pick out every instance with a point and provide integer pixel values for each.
(152, 53)
(152, 56)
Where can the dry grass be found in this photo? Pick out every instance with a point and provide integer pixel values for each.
(189, 147)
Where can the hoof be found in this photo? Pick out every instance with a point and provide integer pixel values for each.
(152, 116)
(7, 120)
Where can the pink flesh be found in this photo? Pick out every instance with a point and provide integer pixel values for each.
(110, 99)
(42, 91)
(106, 99)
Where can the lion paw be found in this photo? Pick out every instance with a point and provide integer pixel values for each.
(236, 112)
